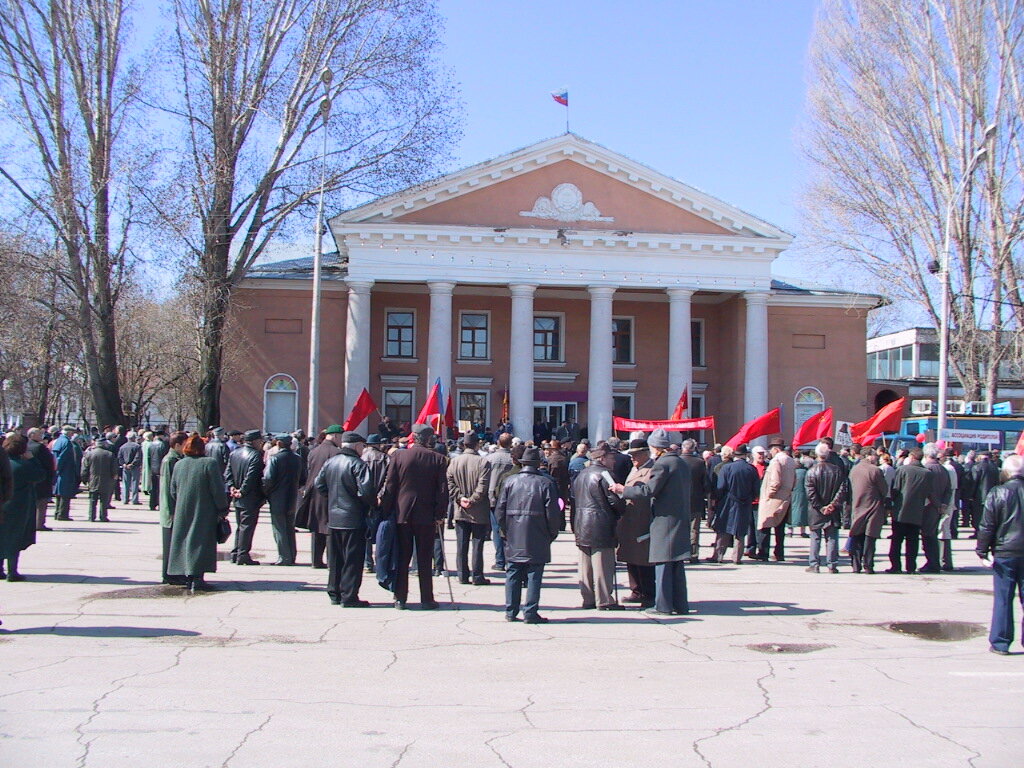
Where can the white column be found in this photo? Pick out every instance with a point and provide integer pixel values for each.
(520, 369)
(357, 342)
(755, 374)
(680, 346)
(599, 390)
(439, 338)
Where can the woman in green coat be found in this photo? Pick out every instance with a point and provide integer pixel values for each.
(798, 504)
(199, 501)
(18, 523)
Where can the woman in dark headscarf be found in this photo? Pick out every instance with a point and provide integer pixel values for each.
(18, 523)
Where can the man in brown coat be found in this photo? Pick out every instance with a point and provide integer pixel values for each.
(469, 476)
(773, 504)
(416, 491)
(869, 490)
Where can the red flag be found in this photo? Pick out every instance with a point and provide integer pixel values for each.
(449, 413)
(766, 424)
(432, 406)
(504, 407)
(1019, 450)
(887, 419)
(681, 406)
(364, 407)
(815, 428)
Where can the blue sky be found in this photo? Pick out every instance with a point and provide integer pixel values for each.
(710, 92)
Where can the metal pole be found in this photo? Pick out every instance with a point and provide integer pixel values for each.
(313, 421)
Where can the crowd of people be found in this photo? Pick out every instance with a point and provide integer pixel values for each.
(381, 504)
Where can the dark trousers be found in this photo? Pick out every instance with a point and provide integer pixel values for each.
(909, 533)
(101, 500)
(317, 547)
(166, 541)
(245, 527)
(1007, 579)
(419, 539)
(695, 522)
(670, 586)
(282, 520)
(345, 551)
(439, 564)
(469, 534)
(764, 535)
(499, 543)
(641, 581)
(930, 545)
(517, 575)
(862, 553)
(154, 492)
(62, 510)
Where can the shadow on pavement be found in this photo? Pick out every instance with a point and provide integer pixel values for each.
(751, 608)
(102, 631)
(81, 578)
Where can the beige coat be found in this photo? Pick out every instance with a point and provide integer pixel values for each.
(776, 490)
(469, 476)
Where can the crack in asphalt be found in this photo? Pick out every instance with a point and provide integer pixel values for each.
(973, 752)
(765, 695)
(401, 755)
(245, 738)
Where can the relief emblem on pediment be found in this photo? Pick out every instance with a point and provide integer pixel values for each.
(565, 205)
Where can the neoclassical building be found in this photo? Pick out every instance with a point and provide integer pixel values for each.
(579, 282)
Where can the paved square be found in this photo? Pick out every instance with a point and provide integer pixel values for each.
(102, 667)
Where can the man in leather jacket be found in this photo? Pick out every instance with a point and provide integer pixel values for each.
(594, 527)
(1001, 534)
(826, 492)
(217, 447)
(284, 475)
(348, 484)
(244, 477)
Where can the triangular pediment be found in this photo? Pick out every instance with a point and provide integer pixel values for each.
(566, 182)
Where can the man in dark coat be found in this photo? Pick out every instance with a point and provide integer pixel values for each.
(623, 464)
(529, 517)
(700, 485)
(911, 489)
(244, 478)
(1001, 534)
(44, 491)
(312, 513)
(129, 458)
(284, 474)
(942, 492)
(669, 489)
(347, 484)
(737, 487)
(156, 448)
(217, 447)
(6, 478)
(826, 488)
(870, 490)
(500, 462)
(634, 530)
(558, 468)
(416, 491)
(594, 527)
(985, 475)
(377, 462)
(99, 473)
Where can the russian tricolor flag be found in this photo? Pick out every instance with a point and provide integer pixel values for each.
(562, 96)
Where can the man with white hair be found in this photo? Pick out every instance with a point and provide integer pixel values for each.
(1001, 535)
(940, 496)
(911, 489)
(129, 458)
(826, 492)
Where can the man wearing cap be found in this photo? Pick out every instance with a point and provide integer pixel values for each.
(285, 473)
(700, 486)
(157, 448)
(312, 512)
(500, 462)
(129, 457)
(594, 528)
(244, 477)
(528, 516)
(416, 491)
(348, 485)
(469, 477)
(634, 530)
(737, 488)
(668, 491)
(826, 492)
(217, 447)
(775, 497)
(377, 461)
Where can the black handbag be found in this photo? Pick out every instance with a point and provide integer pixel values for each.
(223, 530)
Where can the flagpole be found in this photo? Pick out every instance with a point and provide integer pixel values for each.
(567, 116)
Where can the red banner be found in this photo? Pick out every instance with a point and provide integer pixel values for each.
(677, 425)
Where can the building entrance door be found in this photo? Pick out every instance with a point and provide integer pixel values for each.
(554, 413)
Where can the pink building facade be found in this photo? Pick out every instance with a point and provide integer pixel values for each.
(564, 277)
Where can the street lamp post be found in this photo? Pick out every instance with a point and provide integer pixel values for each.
(979, 154)
(312, 422)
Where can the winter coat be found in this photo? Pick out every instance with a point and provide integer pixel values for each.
(1001, 531)
(700, 483)
(99, 470)
(348, 485)
(18, 518)
(42, 454)
(67, 476)
(6, 478)
(415, 487)
(911, 489)
(776, 491)
(826, 486)
(529, 516)
(166, 473)
(198, 498)
(245, 474)
(986, 477)
(283, 476)
(501, 464)
(798, 503)
(558, 468)
(312, 511)
(634, 527)
(219, 450)
(469, 476)
(669, 489)
(156, 450)
(737, 488)
(129, 457)
(596, 515)
(869, 491)
(942, 492)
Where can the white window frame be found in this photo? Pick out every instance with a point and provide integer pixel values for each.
(486, 359)
(470, 391)
(295, 410)
(798, 420)
(632, 341)
(415, 334)
(411, 391)
(696, 413)
(561, 338)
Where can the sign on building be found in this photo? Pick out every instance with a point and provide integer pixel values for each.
(971, 436)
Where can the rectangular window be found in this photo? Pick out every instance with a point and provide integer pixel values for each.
(401, 330)
(473, 407)
(697, 407)
(697, 343)
(622, 340)
(622, 406)
(398, 405)
(547, 338)
(473, 336)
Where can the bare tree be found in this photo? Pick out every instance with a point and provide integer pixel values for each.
(250, 107)
(67, 88)
(903, 95)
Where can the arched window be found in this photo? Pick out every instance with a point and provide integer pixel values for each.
(280, 404)
(808, 401)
